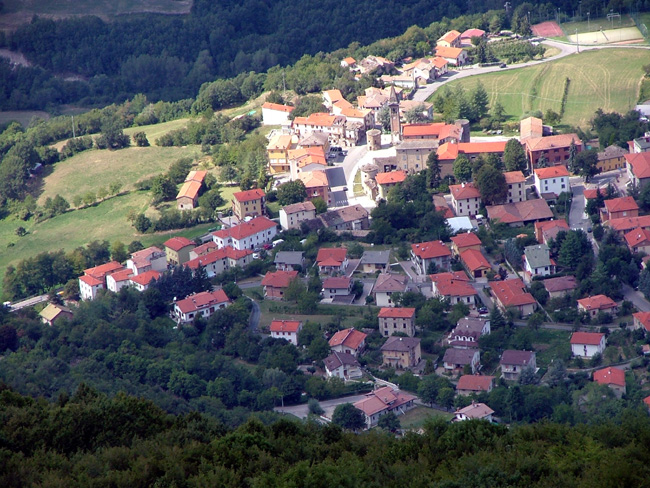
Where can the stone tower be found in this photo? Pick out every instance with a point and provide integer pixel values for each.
(393, 106)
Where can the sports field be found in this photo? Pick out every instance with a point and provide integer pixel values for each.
(607, 79)
(607, 36)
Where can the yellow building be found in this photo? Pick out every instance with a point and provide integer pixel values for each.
(613, 157)
(278, 153)
(250, 203)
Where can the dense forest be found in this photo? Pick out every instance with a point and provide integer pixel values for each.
(90, 440)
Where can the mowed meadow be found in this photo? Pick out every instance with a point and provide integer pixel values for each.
(606, 78)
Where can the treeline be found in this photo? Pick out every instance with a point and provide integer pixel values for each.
(138, 444)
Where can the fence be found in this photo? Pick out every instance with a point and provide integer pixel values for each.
(641, 26)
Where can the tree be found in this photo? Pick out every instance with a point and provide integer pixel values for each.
(586, 162)
(292, 192)
(433, 170)
(491, 184)
(211, 200)
(112, 136)
(163, 189)
(21, 231)
(514, 156)
(480, 101)
(428, 389)
(314, 407)
(462, 168)
(498, 112)
(349, 417)
(383, 117)
(118, 252)
(497, 320)
(573, 153)
(140, 139)
(389, 422)
(416, 114)
(320, 205)
(542, 162)
(142, 223)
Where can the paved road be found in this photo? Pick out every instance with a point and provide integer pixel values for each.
(637, 298)
(30, 302)
(254, 319)
(301, 411)
(577, 218)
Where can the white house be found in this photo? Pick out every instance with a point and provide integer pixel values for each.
(94, 279)
(537, 261)
(142, 281)
(118, 280)
(276, 114)
(217, 261)
(552, 180)
(342, 365)
(465, 198)
(248, 235)
(286, 329)
(201, 304)
(151, 258)
(475, 411)
(587, 344)
(337, 286)
(293, 215)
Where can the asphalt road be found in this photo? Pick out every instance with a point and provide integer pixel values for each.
(30, 302)
(301, 411)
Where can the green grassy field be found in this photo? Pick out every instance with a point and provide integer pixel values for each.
(93, 169)
(596, 24)
(416, 417)
(607, 79)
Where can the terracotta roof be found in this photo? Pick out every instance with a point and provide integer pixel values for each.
(314, 179)
(279, 279)
(627, 223)
(197, 176)
(637, 237)
(433, 129)
(145, 254)
(446, 212)
(121, 275)
(202, 300)
(450, 36)
(382, 399)
(390, 177)
(205, 248)
(643, 318)
(343, 104)
(430, 250)
(459, 356)
(517, 358)
(476, 411)
(333, 95)
(610, 376)
(621, 204)
(299, 207)
(551, 224)
(589, 338)
(640, 163)
(247, 229)
(551, 172)
(190, 189)
(525, 211)
(463, 191)
(338, 359)
(390, 282)
(337, 282)
(447, 151)
(217, 255)
(351, 338)
(474, 260)
(448, 52)
(469, 33)
(249, 195)
(474, 382)
(177, 243)
(511, 293)
(552, 142)
(403, 344)
(102, 270)
(143, 279)
(319, 119)
(482, 147)
(514, 177)
(91, 280)
(451, 288)
(396, 312)
(280, 142)
(331, 256)
(466, 239)
(349, 60)
(285, 325)
(561, 283)
(593, 193)
(597, 302)
(316, 139)
(277, 106)
(451, 275)
(646, 400)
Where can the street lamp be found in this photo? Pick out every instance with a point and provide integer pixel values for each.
(588, 28)
(558, 15)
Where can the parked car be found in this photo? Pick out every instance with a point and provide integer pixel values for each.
(483, 310)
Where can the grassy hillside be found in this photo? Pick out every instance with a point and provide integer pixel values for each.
(607, 79)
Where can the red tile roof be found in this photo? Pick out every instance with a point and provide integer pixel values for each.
(439, 62)
(451, 288)
(526, 211)
(351, 338)
(145, 278)
(277, 106)
(247, 229)
(474, 260)
(205, 248)
(197, 176)
(430, 250)
(121, 275)
(331, 256)
(469, 33)
(643, 318)
(103, 269)
(337, 283)
(91, 280)
(447, 151)
(463, 191)
(382, 399)
(511, 293)
(588, 338)
(514, 177)
(610, 376)
(190, 189)
(319, 119)
(390, 177)
(446, 212)
(412, 130)
(482, 147)
(217, 255)
(396, 312)
(640, 163)
(249, 195)
(597, 302)
(178, 243)
(279, 279)
(452, 275)
(285, 325)
(622, 204)
(624, 224)
(636, 237)
(448, 52)
(308, 155)
(593, 193)
(389, 282)
(474, 382)
(450, 36)
(552, 142)
(202, 300)
(551, 172)
(466, 239)
(299, 207)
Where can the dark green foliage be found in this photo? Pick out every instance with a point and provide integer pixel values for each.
(514, 156)
(614, 128)
(291, 192)
(178, 171)
(348, 417)
(140, 139)
(491, 184)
